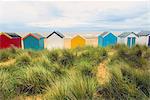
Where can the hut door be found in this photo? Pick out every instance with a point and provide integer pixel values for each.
(149, 41)
(133, 41)
(129, 42)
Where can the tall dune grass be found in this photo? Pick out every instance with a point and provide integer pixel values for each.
(71, 73)
(32, 80)
(73, 87)
(6, 85)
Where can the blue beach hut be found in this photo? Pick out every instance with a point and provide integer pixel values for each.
(106, 39)
(33, 41)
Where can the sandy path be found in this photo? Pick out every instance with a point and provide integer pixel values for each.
(7, 63)
(28, 98)
(33, 98)
(103, 72)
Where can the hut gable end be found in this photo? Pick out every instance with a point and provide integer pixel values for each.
(57, 33)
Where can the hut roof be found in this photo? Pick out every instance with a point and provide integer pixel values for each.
(103, 34)
(57, 33)
(144, 33)
(87, 36)
(11, 35)
(36, 35)
(125, 34)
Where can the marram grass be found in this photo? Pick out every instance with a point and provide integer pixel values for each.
(71, 74)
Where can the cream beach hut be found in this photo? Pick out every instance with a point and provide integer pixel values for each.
(91, 39)
(67, 42)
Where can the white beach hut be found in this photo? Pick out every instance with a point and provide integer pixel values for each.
(55, 40)
(144, 38)
(128, 38)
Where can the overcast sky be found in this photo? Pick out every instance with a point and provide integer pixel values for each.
(72, 16)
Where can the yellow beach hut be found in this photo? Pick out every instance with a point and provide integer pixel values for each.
(78, 41)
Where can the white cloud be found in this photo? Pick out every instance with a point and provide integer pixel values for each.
(61, 23)
(76, 14)
(81, 13)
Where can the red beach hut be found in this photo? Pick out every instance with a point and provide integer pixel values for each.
(8, 40)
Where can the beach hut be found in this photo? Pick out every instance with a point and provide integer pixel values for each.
(128, 38)
(106, 39)
(91, 40)
(78, 41)
(67, 42)
(33, 41)
(8, 40)
(73, 41)
(144, 38)
(55, 40)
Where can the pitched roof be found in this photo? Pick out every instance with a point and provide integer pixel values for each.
(125, 34)
(144, 33)
(35, 35)
(103, 34)
(38, 35)
(57, 33)
(78, 35)
(13, 35)
(88, 36)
